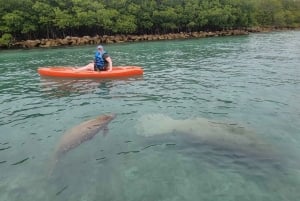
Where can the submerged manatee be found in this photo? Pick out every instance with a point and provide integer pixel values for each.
(81, 133)
(223, 138)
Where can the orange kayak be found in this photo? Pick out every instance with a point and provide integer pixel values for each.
(70, 72)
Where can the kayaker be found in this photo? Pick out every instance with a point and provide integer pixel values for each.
(102, 61)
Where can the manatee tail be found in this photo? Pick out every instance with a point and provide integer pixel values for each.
(52, 165)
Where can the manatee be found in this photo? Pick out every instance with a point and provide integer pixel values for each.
(81, 133)
(73, 137)
(228, 139)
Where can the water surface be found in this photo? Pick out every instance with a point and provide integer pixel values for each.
(249, 85)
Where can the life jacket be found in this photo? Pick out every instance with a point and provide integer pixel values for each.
(100, 60)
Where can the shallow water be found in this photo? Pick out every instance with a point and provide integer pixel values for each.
(249, 84)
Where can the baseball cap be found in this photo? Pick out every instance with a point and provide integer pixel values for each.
(99, 47)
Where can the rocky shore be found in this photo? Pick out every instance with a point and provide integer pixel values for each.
(105, 39)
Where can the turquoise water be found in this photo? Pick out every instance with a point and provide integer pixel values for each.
(210, 119)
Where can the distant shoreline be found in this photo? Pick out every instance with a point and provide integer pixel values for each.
(105, 39)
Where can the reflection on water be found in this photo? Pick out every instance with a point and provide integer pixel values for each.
(57, 87)
(62, 87)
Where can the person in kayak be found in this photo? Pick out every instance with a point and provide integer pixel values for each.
(102, 61)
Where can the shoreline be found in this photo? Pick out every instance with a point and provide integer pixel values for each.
(106, 39)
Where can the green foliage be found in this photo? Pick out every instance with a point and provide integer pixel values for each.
(25, 19)
(5, 40)
(166, 19)
(63, 19)
(125, 24)
(13, 21)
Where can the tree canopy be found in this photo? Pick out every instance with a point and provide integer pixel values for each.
(31, 19)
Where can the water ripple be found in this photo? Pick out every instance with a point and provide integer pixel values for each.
(253, 80)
